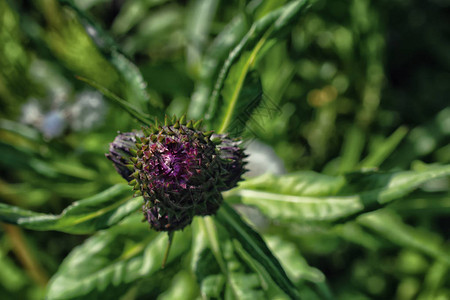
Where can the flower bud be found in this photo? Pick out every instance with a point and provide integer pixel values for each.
(232, 157)
(119, 152)
(179, 170)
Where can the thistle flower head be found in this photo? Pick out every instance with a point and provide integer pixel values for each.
(178, 169)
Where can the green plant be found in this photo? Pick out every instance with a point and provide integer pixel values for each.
(357, 215)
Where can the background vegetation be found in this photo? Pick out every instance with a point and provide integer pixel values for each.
(351, 95)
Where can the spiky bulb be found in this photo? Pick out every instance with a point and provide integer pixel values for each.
(179, 170)
(120, 151)
(232, 158)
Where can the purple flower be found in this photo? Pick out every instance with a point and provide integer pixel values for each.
(178, 169)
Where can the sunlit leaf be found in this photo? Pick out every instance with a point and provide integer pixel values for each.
(295, 201)
(108, 263)
(255, 246)
(85, 216)
(267, 27)
(235, 276)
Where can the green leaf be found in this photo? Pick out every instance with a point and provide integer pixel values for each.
(20, 158)
(273, 291)
(207, 265)
(389, 225)
(198, 24)
(130, 109)
(237, 281)
(131, 13)
(424, 204)
(183, 286)
(435, 279)
(351, 149)
(20, 129)
(220, 272)
(354, 233)
(241, 97)
(255, 246)
(209, 276)
(81, 217)
(111, 50)
(211, 62)
(108, 263)
(292, 261)
(421, 141)
(302, 183)
(261, 31)
(383, 150)
(294, 200)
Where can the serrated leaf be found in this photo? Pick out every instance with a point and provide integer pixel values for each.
(361, 192)
(255, 246)
(109, 262)
(81, 217)
(304, 183)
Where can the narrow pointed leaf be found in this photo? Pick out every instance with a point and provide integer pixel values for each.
(261, 31)
(255, 246)
(81, 217)
(130, 109)
(234, 276)
(389, 225)
(382, 151)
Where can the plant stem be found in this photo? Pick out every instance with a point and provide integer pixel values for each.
(21, 250)
(169, 244)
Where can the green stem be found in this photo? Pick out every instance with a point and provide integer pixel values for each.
(169, 244)
(24, 255)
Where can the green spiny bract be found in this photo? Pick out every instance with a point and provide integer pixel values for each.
(179, 170)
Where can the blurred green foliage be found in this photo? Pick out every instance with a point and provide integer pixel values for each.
(352, 95)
